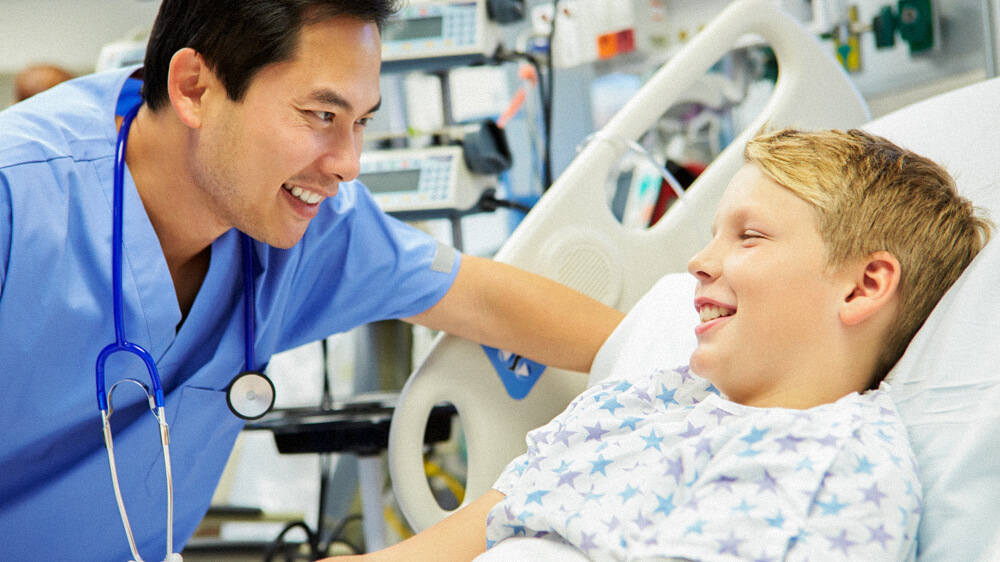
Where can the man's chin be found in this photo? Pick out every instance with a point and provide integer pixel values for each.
(282, 241)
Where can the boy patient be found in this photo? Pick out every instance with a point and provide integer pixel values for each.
(780, 441)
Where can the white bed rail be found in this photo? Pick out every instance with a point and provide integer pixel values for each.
(571, 236)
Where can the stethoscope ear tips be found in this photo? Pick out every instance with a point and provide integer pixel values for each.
(250, 395)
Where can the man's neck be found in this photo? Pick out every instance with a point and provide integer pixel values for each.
(157, 159)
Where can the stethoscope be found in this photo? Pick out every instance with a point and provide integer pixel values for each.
(250, 394)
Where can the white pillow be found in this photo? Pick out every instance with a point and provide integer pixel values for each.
(947, 389)
(947, 385)
(658, 332)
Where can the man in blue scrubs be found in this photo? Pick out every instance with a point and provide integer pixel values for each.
(251, 120)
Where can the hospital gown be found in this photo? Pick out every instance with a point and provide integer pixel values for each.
(661, 465)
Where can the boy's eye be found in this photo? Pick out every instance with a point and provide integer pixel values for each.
(750, 234)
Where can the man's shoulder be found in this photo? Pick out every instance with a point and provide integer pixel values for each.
(73, 119)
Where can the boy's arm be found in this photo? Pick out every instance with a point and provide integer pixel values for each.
(458, 537)
(505, 307)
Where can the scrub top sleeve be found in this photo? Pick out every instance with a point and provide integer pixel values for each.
(359, 265)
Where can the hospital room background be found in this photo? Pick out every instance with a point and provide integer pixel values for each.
(467, 140)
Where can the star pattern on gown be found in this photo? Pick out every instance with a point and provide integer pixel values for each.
(595, 432)
(634, 466)
(600, 465)
(652, 440)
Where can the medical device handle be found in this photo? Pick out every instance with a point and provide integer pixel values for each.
(478, 416)
(572, 237)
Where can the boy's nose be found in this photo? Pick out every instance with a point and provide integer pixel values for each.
(702, 265)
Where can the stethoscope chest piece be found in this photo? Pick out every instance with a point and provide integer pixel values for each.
(250, 395)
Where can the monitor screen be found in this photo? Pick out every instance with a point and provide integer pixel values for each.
(410, 29)
(391, 182)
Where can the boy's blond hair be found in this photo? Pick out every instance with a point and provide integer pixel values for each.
(871, 195)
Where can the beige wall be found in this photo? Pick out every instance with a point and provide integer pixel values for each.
(6, 90)
(69, 33)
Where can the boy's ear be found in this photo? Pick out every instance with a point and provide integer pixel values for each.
(186, 85)
(874, 287)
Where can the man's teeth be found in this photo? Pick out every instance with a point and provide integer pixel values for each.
(304, 195)
(712, 312)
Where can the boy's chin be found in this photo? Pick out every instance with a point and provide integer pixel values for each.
(708, 368)
(700, 364)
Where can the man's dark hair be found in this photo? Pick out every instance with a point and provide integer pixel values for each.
(238, 38)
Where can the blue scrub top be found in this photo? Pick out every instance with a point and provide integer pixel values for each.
(353, 266)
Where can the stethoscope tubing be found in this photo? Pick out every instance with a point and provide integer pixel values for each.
(248, 309)
(117, 249)
(120, 343)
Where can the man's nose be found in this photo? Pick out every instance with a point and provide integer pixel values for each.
(341, 158)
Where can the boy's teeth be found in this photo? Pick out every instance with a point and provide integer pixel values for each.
(304, 195)
(712, 312)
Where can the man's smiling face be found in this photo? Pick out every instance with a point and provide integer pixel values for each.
(266, 162)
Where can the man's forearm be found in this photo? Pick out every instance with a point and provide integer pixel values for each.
(509, 308)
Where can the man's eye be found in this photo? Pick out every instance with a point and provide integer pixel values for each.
(324, 116)
(750, 234)
(364, 121)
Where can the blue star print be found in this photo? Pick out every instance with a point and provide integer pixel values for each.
(692, 431)
(864, 465)
(767, 483)
(778, 521)
(630, 422)
(873, 494)
(831, 507)
(667, 396)
(628, 493)
(747, 483)
(567, 478)
(675, 468)
(666, 504)
(789, 443)
(841, 542)
(652, 440)
(611, 404)
(595, 433)
(536, 497)
(600, 464)
(731, 545)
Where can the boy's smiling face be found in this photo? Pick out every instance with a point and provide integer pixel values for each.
(768, 302)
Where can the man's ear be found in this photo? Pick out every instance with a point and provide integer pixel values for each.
(186, 85)
(873, 288)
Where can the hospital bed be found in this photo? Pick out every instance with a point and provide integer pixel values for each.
(946, 386)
